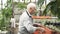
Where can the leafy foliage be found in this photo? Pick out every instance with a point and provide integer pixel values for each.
(51, 6)
(54, 7)
(40, 2)
(20, 5)
(6, 15)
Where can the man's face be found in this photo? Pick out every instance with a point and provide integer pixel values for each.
(32, 10)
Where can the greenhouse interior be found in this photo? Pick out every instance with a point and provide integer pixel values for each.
(47, 14)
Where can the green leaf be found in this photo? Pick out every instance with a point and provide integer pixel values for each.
(52, 6)
(40, 2)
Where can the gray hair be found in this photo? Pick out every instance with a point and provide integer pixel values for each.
(31, 5)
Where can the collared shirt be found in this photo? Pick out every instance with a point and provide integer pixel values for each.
(26, 24)
(28, 13)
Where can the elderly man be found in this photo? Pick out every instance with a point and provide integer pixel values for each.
(26, 21)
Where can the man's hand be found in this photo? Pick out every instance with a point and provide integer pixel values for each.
(41, 29)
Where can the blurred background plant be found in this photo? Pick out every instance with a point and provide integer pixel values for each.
(7, 13)
(54, 7)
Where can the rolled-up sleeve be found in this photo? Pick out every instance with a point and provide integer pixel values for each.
(29, 26)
